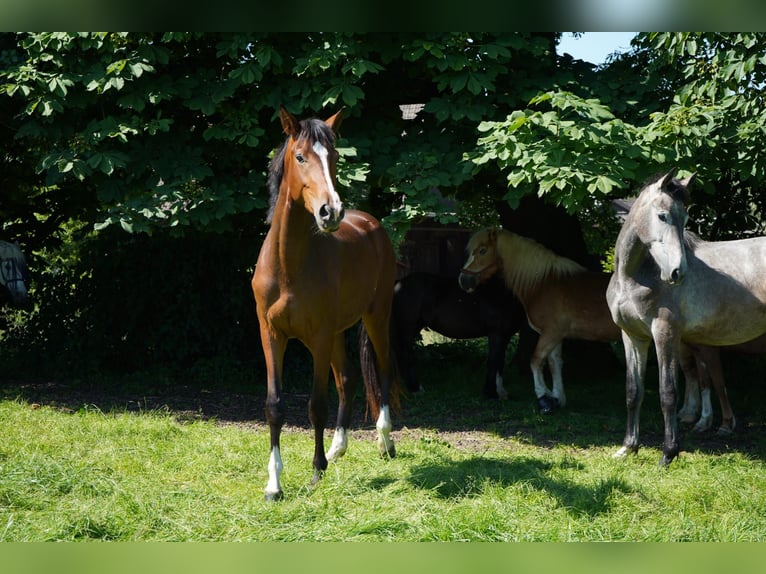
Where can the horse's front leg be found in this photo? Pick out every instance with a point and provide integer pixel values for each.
(668, 350)
(274, 347)
(636, 354)
(556, 366)
(546, 402)
(346, 386)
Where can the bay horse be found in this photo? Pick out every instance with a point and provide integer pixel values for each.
(561, 299)
(425, 300)
(14, 273)
(319, 271)
(674, 289)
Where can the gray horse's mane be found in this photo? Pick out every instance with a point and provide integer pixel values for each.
(692, 240)
(527, 263)
(313, 129)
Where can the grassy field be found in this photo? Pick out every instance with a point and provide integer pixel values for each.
(190, 465)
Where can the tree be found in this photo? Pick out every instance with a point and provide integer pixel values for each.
(142, 158)
(701, 109)
(172, 130)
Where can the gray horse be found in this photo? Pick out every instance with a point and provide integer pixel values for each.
(14, 273)
(672, 288)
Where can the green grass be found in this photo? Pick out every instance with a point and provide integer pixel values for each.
(466, 469)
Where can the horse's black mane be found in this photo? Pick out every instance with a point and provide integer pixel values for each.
(312, 129)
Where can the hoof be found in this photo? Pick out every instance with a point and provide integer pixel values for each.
(702, 426)
(547, 404)
(273, 496)
(316, 478)
(727, 427)
(389, 452)
(624, 451)
(666, 459)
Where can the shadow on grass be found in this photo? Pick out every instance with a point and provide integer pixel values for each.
(452, 375)
(473, 476)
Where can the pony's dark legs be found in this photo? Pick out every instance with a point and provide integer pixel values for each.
(404, 331)
(274, 352)
(636, 355)
(346, 386)
(493, 384)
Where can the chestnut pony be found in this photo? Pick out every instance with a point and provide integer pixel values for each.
(320, 270)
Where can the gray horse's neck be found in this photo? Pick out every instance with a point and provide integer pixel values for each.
(630, 253)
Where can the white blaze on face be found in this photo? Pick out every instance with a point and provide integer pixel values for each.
(323, 154)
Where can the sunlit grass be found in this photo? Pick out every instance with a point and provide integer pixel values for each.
(466, 469)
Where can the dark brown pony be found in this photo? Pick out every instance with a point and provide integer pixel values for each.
(320, 270)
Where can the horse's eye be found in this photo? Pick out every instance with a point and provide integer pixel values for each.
(483, 251)
(300, 158)
(663, 217)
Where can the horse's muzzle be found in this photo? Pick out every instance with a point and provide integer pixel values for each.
(676, 277)
(328, 218)
(467, 281)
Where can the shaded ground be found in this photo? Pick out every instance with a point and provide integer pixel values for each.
(457, 415)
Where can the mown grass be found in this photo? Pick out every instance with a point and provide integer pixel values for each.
(467, 469)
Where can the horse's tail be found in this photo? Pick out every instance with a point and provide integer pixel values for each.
(377, 396)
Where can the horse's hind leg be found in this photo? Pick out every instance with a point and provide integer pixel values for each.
(318, 410)
(376, 370)
(715, 375)
(692, 367)
(346, 386)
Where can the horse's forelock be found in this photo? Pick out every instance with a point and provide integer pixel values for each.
(315, 130)
(476, 238)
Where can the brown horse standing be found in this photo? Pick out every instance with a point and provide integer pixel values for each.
(320, 270)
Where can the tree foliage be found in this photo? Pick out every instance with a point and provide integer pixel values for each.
(173, 130)
(701, 109)
(166, 136)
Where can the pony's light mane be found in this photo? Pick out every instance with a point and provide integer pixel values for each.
(526, 263)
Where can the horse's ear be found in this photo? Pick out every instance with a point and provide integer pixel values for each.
(335, 120)
(688, 181)
(668, 177)
(492, 235)
(289, 123)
